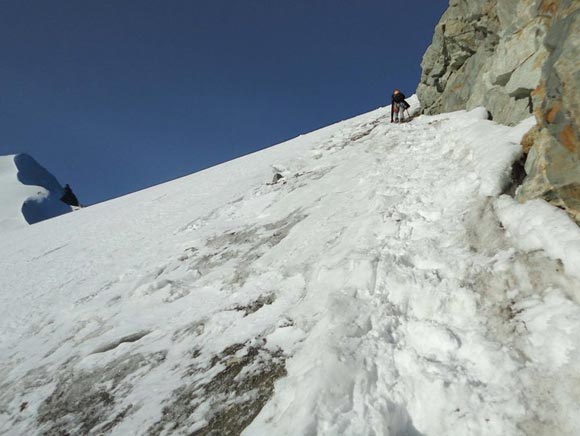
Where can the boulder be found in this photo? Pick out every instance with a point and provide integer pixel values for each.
(485, 54)
(516, 58)
(553, 164)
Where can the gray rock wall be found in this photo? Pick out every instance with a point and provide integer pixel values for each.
(516, 58)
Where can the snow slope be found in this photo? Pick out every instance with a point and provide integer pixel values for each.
(373, 290)
(28, 193)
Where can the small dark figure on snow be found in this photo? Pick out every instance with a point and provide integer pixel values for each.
(69, 197)
(398, 106)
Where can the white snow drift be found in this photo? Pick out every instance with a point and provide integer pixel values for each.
(28, 193)
(372, 290)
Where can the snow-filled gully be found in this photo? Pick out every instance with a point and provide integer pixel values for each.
(371, 291)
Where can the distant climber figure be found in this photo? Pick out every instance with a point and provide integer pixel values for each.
(69, 197)
(398, 106)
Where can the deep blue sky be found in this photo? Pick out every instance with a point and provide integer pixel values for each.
(113, 96)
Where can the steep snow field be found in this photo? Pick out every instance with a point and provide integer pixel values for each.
(382, 287)
(28, 193)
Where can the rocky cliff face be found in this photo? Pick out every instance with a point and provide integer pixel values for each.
(516, 58)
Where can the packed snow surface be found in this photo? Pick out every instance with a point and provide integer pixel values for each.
(380, 287)
(28, 193)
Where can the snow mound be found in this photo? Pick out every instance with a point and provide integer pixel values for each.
(536, 225)
(28, 193)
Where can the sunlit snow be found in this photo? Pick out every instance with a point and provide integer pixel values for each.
(380, 287)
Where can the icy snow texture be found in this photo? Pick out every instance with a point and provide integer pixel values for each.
(28, 193)
(370, 291)
(536, 225)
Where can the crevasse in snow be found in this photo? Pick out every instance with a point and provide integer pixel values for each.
(379, 287)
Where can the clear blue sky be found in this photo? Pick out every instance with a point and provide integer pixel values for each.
(113, 96)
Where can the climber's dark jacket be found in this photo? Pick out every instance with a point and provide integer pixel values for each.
(396, 100)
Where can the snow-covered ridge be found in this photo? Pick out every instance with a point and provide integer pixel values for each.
(28, 193)
(372, 290)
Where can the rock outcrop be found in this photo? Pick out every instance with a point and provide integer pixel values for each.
(516, 58)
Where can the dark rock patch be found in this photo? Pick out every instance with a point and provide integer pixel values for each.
(518, 174)
(84, 400)
(256, 305)
(243, 381)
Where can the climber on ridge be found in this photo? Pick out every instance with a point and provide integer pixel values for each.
(398, 106)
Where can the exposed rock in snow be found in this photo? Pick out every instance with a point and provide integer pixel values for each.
(485, 53)
(28, 193)
(512, 57)
(375, 291)
(553, 164)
